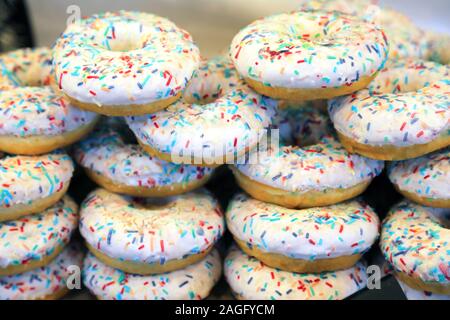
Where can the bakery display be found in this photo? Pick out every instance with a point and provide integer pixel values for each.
(275, 170)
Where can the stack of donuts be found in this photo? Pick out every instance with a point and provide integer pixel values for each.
(305, 111)
(300, 229)
(37, 218)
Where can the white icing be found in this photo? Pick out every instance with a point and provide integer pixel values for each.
(343, 229)
(252, 280)
(325, 165)
(148, 231)
(124, 58)
(30, 111)
(427, 176)
(191, 283)
(309, 49)
(415, 239)
(407, 104)
(106, 153)
(42, 282)
(225, 127)
(37, 236)
(24, 179)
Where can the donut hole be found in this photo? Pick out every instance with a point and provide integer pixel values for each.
(27, 68)
(123, 37)
(203, 92)
(35, 76)
(153, 204)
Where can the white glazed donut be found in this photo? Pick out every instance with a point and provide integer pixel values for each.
(148, 235)
(123, 63)
(191, 283)
(315, 175)
(31, 184)
(250, 279)
(36, 118)
(307, 55)
(403, 113)
(33, 241)
(404, 37)
(125, 168)
(26, 67)
(425, 179)
(47, 282)
(207, 134)
(286, 238)
(414, 239)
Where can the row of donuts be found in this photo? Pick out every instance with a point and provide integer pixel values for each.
(37, 218)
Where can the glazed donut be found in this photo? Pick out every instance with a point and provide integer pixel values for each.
(26, 67)
(31, 184)
(124, 63)
(424, 180)
(250, 279)
(148, 236)
(308, 240)
(207, 134)
(316, 175)
(194, 282)
(412, 294)
(403, 114)
(302, 126)
(45, 283)
(414, 239)
(125, 168)
(36, 119)
(34, 241)
(404, 37)
(308, 55)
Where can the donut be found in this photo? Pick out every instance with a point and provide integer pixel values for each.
(31, 184)
(26, 67)
(125, 168)
(44, 283)
(36, 119)
(301, 177)
(424, 180)
(414, 239)
(304, 241)
(34, 241)
(210, 134)
(403, 114)
(194, 282)
(302, 126)
(404, 37)
(412, 294)
(124, 63)
(308, 55)
(146, 236)
(251, 279)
